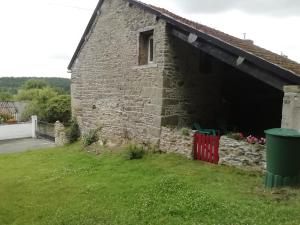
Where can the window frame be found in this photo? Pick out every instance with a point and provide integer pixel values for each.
(145, 39)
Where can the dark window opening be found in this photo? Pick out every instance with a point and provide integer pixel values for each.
(150, 53)
(146, 48)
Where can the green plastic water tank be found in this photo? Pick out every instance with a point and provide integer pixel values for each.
(283, 157)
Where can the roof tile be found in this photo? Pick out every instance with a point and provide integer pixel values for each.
(244, 45)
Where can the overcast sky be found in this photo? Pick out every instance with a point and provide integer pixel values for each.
(39, 37)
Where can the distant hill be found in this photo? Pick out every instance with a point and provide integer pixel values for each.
(12, 84)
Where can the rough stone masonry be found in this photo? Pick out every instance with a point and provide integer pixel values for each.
(109, 88)
(291, 108)
(127, 100)
(242, 154)
(112, 90)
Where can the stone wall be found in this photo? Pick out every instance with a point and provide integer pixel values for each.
(60, 134)
(231, 152)
(109, 88)
(191, 84)
(131, 101)
(242, 154)
(177, 141)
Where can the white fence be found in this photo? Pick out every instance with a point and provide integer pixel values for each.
(22, 130)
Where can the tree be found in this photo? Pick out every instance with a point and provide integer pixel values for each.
(33, 108)
(13, 84)
(34, 84)
(27, 95)
(39, 99)
(46, 102)
(4, 96)
(41, 95)
(59, 108)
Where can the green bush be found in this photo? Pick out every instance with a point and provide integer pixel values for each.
(91, 137)
(73, 132)
(5, 96)
(4, 117)
(134, 151)
(33, 108)
(59, 108)
(185, 132)
(38, 102)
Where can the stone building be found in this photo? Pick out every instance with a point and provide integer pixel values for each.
(140, 70)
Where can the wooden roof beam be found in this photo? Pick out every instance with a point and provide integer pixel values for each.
(235, 61)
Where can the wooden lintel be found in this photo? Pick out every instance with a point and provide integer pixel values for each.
(230, 59)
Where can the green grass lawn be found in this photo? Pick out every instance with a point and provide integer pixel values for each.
(69, 186)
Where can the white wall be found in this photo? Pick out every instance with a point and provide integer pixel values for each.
(15, 131)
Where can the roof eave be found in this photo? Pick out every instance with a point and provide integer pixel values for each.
(87, 30)
(274, 68)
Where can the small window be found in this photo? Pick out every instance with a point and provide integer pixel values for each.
(146, 48)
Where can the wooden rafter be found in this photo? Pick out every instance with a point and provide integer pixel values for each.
(237, 61)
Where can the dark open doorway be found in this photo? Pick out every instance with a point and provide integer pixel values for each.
(249, 105)
(202, 89)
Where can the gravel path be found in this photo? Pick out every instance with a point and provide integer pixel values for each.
(21, 145)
